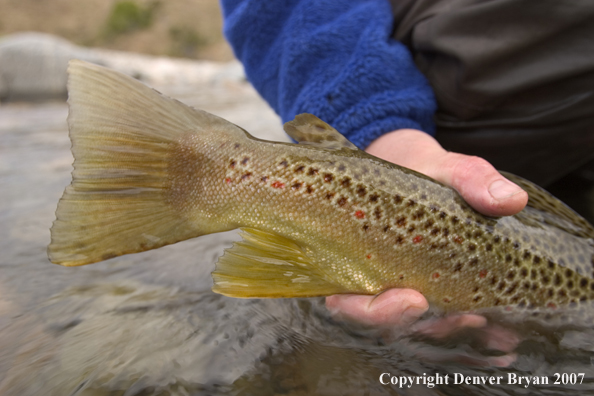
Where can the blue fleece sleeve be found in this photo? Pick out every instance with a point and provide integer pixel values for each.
(331, 58)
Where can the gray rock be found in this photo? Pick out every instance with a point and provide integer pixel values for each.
(33, 66)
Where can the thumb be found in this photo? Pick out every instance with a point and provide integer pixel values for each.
(480, 184)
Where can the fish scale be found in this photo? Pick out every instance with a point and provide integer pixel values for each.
(318, 218)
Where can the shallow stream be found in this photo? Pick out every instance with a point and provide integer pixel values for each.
(148, 324)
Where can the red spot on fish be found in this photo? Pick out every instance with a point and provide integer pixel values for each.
(278, 184)
(418, 239)
(368, 256)
(552, 305)
(458, 239)
(435, 275)
(359, 214)
(483, 273)
(228, 180)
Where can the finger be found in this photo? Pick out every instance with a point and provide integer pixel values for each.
(394, 307)
(444, 327)
(480, 184)
(500, 339)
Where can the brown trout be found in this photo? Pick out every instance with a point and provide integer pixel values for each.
(318, 218)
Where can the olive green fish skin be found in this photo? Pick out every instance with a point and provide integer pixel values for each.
(372, 225)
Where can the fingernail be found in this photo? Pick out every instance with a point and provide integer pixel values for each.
(411, 315)
(501, 189)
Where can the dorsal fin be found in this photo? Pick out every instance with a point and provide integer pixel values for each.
(553, 211)
(310, 130)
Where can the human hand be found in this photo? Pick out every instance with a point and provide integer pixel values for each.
(485, 189)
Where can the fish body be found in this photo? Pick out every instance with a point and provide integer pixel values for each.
(318, 218)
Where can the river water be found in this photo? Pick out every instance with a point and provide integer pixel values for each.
(148, 324)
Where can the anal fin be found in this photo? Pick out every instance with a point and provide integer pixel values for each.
(267, 265)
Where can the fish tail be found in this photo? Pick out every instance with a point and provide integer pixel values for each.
(122, 198)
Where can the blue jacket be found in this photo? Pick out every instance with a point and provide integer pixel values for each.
(334, 59)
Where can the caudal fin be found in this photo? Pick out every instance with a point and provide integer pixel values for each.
(123, 134)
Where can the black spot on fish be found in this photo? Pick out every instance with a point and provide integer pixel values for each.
(536, 260)
(508, 258)
(546, 280)
(524, 272)
(397, 199)
(237, 145)
(401, 221)
(310, 189)
(312, 172)
(583, 283)
(568, 272)
(418, 214)
(516, 245)
(488, 247)
(399, 239)
(533, 274)
(570, 284)
(346, 182)
(500, 286)
(284, 163)
(496, 239)
(342, 201)
(512, 288)
(471, 247)
(296, 186)
(232, 164)
(365, 227)
(455, 219)
(562, 293)
(300, 169)
(511, 274)
(411, 202)
(361, 191)
(330, 195)
(458, 267)
(387, 228)
(245, 160)
(341, 168)
(328, 177)
(377, 213)
(442, 215)
(557, 280)
(435, 231)
(526, 255)
(373, 198)
(246, 175)
(516, 262)
(424, 197)
(551, 264)
(477, 298)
